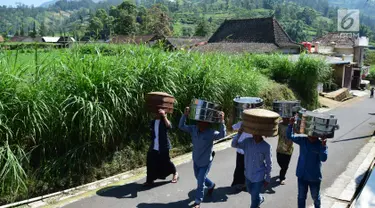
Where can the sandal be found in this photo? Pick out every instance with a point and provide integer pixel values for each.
(175, 179)
(195, 205)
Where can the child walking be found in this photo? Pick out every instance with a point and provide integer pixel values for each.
(258, 165)
(202, 137)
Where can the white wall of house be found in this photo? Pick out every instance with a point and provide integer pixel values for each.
(322, 49)
(344, 51)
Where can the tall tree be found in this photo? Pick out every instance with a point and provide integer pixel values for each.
(124, 18)
(295, 31)
(365, 31)
(42, 29)
(203, 28)
(96, 26)
(160, 24)
(22, 30)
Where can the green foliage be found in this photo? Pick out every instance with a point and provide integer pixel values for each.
(187, 31)
(311, 17)
(203, 28)
(295, 31)
(370, 60)
(305, 78)
(73, 116)
(365, 31)
(43, 29)
(160, 21)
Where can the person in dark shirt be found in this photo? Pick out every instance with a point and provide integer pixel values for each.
(372, 92)
(159, 164)
(312, 153)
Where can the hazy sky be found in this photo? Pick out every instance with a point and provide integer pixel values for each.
(27, 2)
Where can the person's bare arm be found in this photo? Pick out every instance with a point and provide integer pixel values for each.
(164, 118)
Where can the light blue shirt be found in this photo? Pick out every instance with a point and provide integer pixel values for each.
(258, 158)
(203, 142)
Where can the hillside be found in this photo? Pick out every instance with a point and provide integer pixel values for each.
(367, 7)
(302, 19)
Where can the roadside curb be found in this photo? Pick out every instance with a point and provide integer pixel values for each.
(343, 189)
(62, 198)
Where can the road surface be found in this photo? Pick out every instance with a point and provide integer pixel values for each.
(356, 127)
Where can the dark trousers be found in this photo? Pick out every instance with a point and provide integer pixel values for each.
(159, 165)
(239, 172)
(303, 187)
(283, 160)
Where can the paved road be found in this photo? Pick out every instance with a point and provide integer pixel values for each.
(356, 127)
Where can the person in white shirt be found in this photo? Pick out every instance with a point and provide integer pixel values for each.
(159, 164)
(239, 180)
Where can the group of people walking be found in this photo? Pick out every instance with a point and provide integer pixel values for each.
(253, 162)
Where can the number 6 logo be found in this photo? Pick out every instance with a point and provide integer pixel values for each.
(348, 20)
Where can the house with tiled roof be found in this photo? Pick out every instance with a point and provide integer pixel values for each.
(131, 39)
(257, 35)
(171, 43)
(26, 39)
(348, 48)
(334, 44)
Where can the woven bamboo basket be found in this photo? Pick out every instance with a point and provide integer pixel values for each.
(159, 100)
(260, 122)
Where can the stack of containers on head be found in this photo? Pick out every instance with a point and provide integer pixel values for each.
(244, 103)
(286, 108)
(204, 111)
(159, 100)
(260, 122)
(317, 124)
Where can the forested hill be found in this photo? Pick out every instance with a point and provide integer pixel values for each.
(302, 19)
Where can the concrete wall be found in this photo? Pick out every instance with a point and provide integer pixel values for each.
(338, 74)
(322, 49)
(290, 50)
(343, 51)
(359, 55)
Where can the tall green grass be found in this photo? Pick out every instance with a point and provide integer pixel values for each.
(73, 116)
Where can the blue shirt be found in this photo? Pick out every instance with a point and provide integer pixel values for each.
(203, 142)
(311, 156)
(258, 158)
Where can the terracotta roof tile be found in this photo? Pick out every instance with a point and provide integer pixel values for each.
(257, 30)
(231, 47)
(140, 39)
(336, 39)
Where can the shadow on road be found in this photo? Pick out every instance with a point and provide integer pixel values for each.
(273, 184)
(126, 191)
(350, 139)
(219, 195)
(180, 204)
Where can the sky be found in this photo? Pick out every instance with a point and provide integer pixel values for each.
(27, 2)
